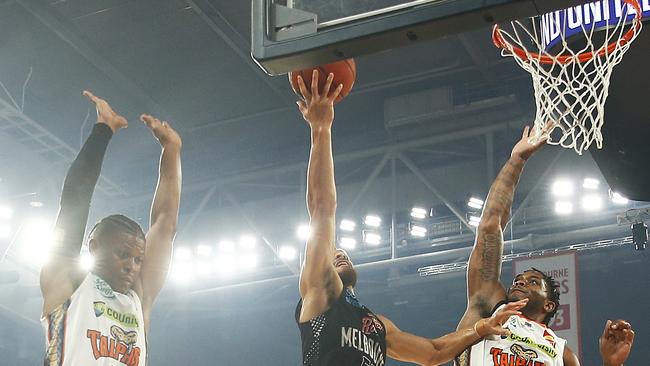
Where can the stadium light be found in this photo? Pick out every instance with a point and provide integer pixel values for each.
(372, 221)
(204, 268)
(418, 231)
(287, 253)
(182, 272)
(183, 254)
(372, 238)
(347, 225)
(348, 243)
(226, 246)
(36, 204)
(475, 203)
(592, 203)
(86, 261)
(303, 232)
(203, 250)
(36, 241)
(418, 213)
(590, 183)
(618, 199)
(6, 212)
(562, 188)
(247, 241)
(474, 220)
(563, 207)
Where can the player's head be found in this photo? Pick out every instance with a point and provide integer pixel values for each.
(541, 290)
(117, 244)
(345, 268)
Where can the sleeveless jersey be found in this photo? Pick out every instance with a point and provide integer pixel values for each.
(348, 334)
(529, 344)
(96, 327)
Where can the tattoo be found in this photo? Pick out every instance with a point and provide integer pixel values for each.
(491, 256)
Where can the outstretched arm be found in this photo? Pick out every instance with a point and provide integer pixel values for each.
(61, 275)
(407, 347)
(319, 283)
(484, 290)
(164, 212)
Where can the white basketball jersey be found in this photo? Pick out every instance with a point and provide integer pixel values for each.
(96, 327)
(529, 344)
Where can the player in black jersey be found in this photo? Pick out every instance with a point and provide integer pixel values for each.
(484, 289)
(336, 329)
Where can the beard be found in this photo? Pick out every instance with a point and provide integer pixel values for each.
(348, 277)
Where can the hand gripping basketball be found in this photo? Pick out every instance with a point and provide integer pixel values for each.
(494, 324)
(318, 109)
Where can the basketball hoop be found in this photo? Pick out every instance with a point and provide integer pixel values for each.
(571, 83)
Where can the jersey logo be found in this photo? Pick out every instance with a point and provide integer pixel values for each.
(128, 320)
(120, 346)
(549, 338)
(104, 288)
(371, 325)
(527, 354)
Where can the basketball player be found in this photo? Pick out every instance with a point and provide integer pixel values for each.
(531, 342)
(101, 317)
(336, 330)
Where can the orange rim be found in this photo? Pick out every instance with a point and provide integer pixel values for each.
(501, 42)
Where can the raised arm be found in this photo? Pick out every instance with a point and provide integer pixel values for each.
(61, 275)
(407, 347)
(164, 212)
(319, 283)
(484, 289)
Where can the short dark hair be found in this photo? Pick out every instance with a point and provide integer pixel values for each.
(116, 223)
(552, 293)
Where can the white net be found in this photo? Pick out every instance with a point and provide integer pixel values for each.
(570, 55)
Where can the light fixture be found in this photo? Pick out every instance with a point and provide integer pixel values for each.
(562, 188)
(418, 213)
(372, 238)
(347, 225)
(563, 207)
(475, 203)
(36, 204)
(372, 221)
(247, 241)
(203, 250)
(618, 199)
(86, 261)
(204, 268)
(418, 231)
(303, 232)
(226, 246)
(592, 203)
(182, 272)
(183, 254)
(348, 243)
(590, 183)
(35, 241)
(287, 253)
(6, 212)
(474, 220)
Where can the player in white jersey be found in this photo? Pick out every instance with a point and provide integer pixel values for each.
(101, 318)
(531, 342)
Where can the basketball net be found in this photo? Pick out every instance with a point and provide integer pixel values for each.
(571, 82)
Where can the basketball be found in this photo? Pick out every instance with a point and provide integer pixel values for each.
(345, 72)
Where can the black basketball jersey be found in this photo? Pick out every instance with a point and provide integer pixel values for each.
(348, 334)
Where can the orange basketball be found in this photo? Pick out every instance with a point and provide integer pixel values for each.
(345, 72)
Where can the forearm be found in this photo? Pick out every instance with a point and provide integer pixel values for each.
(166, 200)
(321, 189)
(78, 188)
(502, 191)
(451, 345)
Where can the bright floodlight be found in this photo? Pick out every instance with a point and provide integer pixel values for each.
(248, 260)
(183, 254)
(303, 232)
(6, 212)
(86, 261)
(592, 203)
(5, 231)
(226, 264)
(475, 203)
(562, 188)
(347, 225)
(372, 239)
(618, 199)
(474, 220)
(182, 272)
(418, 213)
(590, 183)
(418, 231)
(36, 204)
(372, 220)
(247, 241)
(226, 246)
(204, 268)
(287, 253)
(563, 207)
(203, 250)
(348, 243)
(36, 240)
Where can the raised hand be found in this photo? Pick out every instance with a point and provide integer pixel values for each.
(162, 131)
(616, 342)
(524, 149)
(494, 324)
(317, 108)
(106, 114)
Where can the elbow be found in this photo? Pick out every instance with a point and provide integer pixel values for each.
(490, 223)
(327, 208)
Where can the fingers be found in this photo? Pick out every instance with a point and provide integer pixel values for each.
(516, 305)
(629, 336)
(336, 93)
(91, 96)
(314, 83)
(328, 84)
(608, 324)
(302, 106)
(150, 121)
(526, 131)
(303, 88)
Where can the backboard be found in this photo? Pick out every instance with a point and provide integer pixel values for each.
(294, 34)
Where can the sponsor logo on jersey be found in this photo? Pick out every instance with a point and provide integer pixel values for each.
(128, 320)
(549, 337)
(120, 345)
(104, 288)
(355, 338)
(550, 351)
(371, 325)
(520, 356)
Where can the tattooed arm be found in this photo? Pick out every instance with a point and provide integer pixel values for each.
(484, 290)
